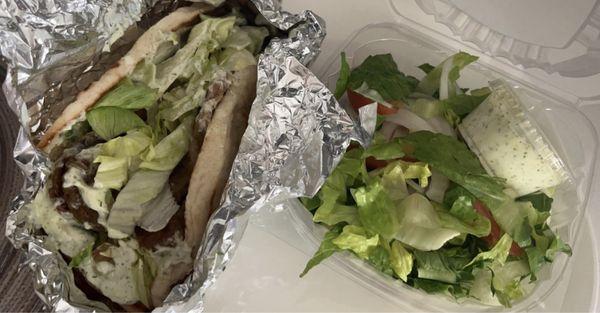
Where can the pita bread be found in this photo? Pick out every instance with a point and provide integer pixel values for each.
(145, 46)
(216, 155)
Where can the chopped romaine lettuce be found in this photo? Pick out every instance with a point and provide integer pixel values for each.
(356, 239)
(472, 238)
(376, 210)
(420, 226)
(438, 76)
(380, 74)
(326, 249)
(401, 260)
(342, 82)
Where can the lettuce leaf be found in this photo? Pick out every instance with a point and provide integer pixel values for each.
(119, 157)
(129, 95)
(342, 83)
(506, 281)
(356, 239)
(249, 38)
(401, 260)
(127, 209)
(380, 74)
(432, 81)
(326, 249)
(420, 226)
(132, 144)
(112, 172)
(376, 210)
(331, 212)
(497, 254)
(158, 211)
(204, 38)
(170, 150)
(434, 265)
(109, 122)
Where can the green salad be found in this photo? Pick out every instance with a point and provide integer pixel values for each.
(418, 205)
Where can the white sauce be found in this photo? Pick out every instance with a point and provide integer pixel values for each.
(63, 232)
(116, 281)
(509, 146)
(165, 256)
(97, 199)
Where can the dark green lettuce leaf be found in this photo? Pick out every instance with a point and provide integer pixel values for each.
(342, 82)
(380, 73)
(326, 249)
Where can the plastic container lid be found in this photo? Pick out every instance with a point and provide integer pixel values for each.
(555, 42)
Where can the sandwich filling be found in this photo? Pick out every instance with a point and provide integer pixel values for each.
(114, 203)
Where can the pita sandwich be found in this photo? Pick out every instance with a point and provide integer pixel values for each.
(141, 157)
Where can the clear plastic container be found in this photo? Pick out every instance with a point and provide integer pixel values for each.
(567, 129)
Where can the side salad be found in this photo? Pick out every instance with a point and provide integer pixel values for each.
(418, 205)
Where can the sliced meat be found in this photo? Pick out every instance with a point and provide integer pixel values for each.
(81, 212)
(180, 178)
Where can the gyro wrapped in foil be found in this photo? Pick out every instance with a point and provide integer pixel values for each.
(297, 131)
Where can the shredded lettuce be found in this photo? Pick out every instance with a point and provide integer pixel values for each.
(129, 95)
(119, 157)
(128, 208)
(112, 172)
(498, 253)
(109, 122)
(170, 150)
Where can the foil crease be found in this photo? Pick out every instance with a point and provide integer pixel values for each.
(297, 131)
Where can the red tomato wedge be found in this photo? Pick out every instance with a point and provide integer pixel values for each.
(495, 231)
(357, 100)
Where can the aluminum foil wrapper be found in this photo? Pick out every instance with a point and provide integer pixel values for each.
(297, 131)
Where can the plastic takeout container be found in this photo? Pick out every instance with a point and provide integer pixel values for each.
(566, 128)
(554, 77)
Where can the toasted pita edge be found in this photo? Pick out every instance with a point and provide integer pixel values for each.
(211, 171)
(143, 47)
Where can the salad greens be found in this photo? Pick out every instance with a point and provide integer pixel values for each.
(378, 77)
(480, 242)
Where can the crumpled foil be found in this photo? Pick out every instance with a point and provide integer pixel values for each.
(297, 131)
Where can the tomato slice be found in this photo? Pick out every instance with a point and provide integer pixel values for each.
(373, 164)
(495, 231)
(357, 100)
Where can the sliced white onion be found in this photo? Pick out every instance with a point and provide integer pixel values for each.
(410, 120)
(388, 129)
(442, 126)
(438, 184)
(444, 78)
(415, 186)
